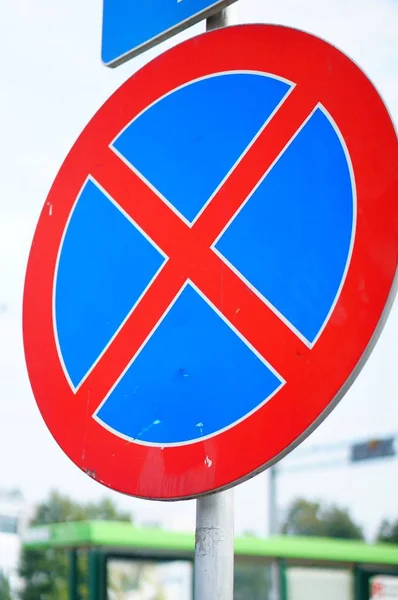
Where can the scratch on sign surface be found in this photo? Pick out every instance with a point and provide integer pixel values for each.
(208, 462)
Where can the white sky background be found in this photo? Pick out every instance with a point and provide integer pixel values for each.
(52, 82)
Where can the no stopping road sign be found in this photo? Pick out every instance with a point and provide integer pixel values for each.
(213, 262)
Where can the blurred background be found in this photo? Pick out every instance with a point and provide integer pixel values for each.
(340, 483)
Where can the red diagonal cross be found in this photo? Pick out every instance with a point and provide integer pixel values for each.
(191, 257)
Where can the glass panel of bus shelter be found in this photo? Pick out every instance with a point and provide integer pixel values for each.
(149, 580)
(307, 583)
(384, 587)
(252, 581)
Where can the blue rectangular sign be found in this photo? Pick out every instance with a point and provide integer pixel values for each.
(131, 26)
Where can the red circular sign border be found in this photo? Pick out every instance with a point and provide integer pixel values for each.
(274, 429)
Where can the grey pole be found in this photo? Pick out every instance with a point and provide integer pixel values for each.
(219, 19)
(272, 503)
(214, 538)
(214, 547)
(273, 527)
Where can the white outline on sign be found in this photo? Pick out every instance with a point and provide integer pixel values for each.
(154, 245)
(238, 160)
(212, 247)
(284, 320)
(210, 435)
(266, 123)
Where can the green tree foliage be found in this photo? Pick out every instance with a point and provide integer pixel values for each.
(5, 591)
(388, 532)
(313, 519)
(45, 571)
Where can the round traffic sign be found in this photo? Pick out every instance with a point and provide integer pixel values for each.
(213, 263)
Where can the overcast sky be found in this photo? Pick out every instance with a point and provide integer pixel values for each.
(52, 82)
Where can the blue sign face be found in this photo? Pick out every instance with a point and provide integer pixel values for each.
(196, 375)
(130, 27)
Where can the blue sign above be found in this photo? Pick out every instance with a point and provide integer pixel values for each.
(130, 28)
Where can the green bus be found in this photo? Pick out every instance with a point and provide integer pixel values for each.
(131, 563)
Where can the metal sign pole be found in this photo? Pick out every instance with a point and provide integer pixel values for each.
(219, 19)
(214, 547)
(273, 530)
(214, 538)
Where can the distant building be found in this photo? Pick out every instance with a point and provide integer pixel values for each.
(13, 520)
